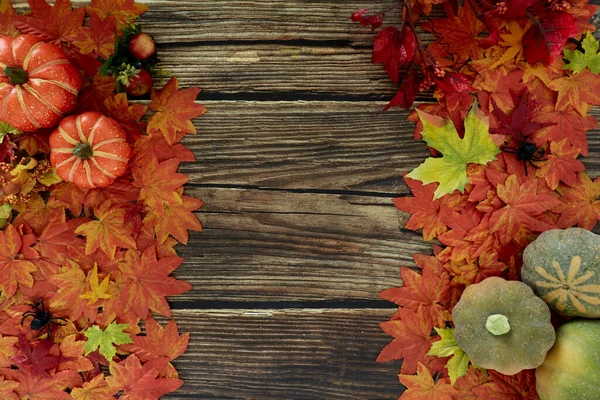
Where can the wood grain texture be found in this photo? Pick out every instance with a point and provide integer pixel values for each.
(285, 354)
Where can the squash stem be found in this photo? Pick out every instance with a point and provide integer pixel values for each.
(83, 151)
(16, 75)
(497, 324)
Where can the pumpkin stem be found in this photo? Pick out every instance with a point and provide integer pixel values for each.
(83, 151)
(497, 324)
(16, 75)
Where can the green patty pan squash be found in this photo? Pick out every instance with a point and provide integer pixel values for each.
(563, 268)
(502, 325)
(571, 370)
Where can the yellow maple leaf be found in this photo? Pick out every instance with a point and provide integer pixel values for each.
(514, 41)
(98, 291)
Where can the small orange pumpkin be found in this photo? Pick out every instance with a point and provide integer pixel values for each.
(89, 149)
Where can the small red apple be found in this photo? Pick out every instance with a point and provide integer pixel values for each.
(140, 84)
(141, 46)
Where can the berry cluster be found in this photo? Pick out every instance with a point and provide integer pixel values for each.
(501, 7)
(559, 5)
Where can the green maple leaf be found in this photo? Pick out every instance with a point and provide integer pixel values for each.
(451, 169)
(458, 364)
(588, 58)
(106, 340)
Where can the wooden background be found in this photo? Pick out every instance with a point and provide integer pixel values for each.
(297, 167)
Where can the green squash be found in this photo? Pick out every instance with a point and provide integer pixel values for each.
(502, 325)
(563, 268)
(571, 370)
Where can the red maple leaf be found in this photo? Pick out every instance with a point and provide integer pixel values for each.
(56, 24)
(128, 115)
(423, 387)
(174, 110)
(33, 386)
(394, 49)
(97, 39)
(579, 204)
(124, 12)
(159, 183)
(154, 147)
(473, 270)
(147, 282)
(412, 339)
(38, 212)
(523, 213)
(137, 382)
(428, 290)
(516, 387)
(560, 165)
(72, 284)
(430, 215)
(545, 40)
(96, 389)
(176, 220)
(14, 270)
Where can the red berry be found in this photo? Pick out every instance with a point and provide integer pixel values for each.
(140, 84)
(141, 46)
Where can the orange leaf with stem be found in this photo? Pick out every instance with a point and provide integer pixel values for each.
(423, 387)
(159, 184)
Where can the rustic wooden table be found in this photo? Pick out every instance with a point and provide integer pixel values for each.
(297, 167)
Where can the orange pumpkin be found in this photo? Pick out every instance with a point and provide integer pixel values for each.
(38, 84)
(89, 149)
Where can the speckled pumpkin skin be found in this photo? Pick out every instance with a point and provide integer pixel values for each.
(572, 369)
(531, 334)
(563, 268)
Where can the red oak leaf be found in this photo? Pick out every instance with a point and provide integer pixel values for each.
(123, 12)
(516, 387)
(147, 282)
(97, 39)
(159, 184)
(579, 204)
(428, 214)
(107, 231)
(428, 290)
(523, 213)
(579, 91)
(14, 270)
(174, 110)
(140, 383)
(545, 40)
(423, 387)
(412, 339)
(56, 24)
(561, 165)
(394, 49)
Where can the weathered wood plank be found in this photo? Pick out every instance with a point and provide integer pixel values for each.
(262, 245)
(285, 354)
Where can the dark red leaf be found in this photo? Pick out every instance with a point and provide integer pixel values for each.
(454, 82)
(394, 48)
(407, 92)
(365, 20)
(545, 40)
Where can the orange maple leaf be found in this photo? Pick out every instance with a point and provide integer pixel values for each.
(154, 147)
(516, 387)
(174, 110)
(7, 389)
(525, 204)
(176, 220)
(560, 165)
(578, 90)
(37, 386)
(7, 351)
(97, 39)
(465, 384)
(124, 12)
(38, 212)
(159, 184)
(7, 13)
(579, 204)
(146, 282)
(128, 115)
(108, 231)
(55, 24)
(137, 382)
(96, 389)
(423, 387)
(14, 270)
(72, 284)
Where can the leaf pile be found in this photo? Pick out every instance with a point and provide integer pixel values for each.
(99, 259)
(484, 201)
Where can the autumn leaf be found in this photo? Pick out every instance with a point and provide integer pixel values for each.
(7, 351)
(96, 290)
(412, 339)
(124, 12)
(524, 205)
(105, 340)
(560, 165)
(545, 40)
(14, 270)
(107, 232)
(35, 386)
(137, 382)
(56, 24)
(579, 204)
(578, 91)
(428, 290)
(159, 341)
(513, 43)
(7, 14)
(516, 387)
(159, 183)
(72, 284)
(472, 379)
(7, 389)
(589, 58)
(128, 115)
(96, 389)
(423, 387)
(147, 282)
(451, 169)
(446, 347)
(394, 49)
(174, 109)
(97, 39)
(57, 235)
(426, 213)
(176, 220)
